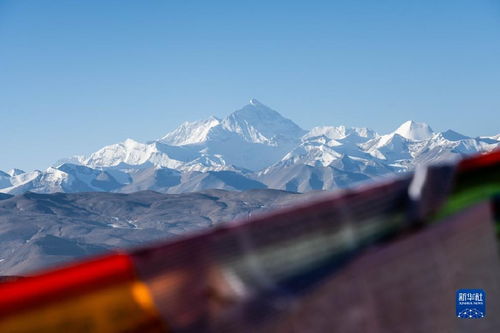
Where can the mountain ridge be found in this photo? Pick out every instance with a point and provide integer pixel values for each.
(253, 146)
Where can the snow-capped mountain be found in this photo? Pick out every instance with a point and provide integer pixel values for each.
(210, 145)
(414, 131)
(14, 172)
(4, 179)
(253, 147)
(257, 123)
(191, 133)
(254, 123)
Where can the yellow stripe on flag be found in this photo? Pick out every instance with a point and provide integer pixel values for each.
(127, 307)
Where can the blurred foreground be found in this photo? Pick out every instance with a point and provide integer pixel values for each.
(385, 258)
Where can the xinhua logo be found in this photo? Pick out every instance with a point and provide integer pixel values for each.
(470, 303)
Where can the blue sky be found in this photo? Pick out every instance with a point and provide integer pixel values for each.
(77, 75)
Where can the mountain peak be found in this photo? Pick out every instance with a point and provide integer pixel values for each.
(451, 135)
(258, 123)
(254, 122)
(255, 102)
(253, 144)
(414, 131)
(257, 112)
(15, 172)
(191, 132)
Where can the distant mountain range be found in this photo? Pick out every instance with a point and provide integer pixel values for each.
(252, 148)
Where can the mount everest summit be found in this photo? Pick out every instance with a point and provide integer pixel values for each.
(252, 148)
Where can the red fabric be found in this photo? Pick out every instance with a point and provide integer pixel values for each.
(83, 277)
(479, 161)
(65, 282)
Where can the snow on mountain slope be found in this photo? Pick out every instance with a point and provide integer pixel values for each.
(189, 133)
(340, 132)
(82, 178)
(241, 154)
(210, 145)
(156, 154)
(258, 123)
(254, 130)
(15, 172)
(4, 179)
(494, 137)
(450, 144)
(226, 180)
(255, 123)
(319, 163)
(390, 147)
(311, 153)
(25, 178)
(303, 178)
(32, 181)
(451, 135)
(253, 147)
(129, 152)
(65, 178)
(412, 130)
